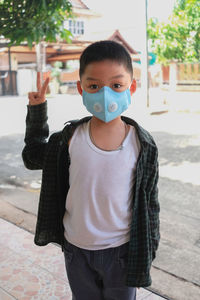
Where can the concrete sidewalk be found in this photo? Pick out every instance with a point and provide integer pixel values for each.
(31, 272)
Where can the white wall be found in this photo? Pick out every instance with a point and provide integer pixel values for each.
(26, 81)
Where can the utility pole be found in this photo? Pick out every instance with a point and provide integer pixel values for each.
(144, 55)
(10, 73)
(41, 58)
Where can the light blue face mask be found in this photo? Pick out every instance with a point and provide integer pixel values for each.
(107, 104)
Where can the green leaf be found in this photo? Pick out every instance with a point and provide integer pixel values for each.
(172, 39)
(24, 16)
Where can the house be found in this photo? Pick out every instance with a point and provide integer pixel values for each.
(70, 76)
(20, 61)
(18, 58)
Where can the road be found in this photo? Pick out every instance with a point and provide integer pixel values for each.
(175, 271)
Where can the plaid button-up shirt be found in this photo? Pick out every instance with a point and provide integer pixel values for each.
(52, 156)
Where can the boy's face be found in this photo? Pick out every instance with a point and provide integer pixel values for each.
(105, 73)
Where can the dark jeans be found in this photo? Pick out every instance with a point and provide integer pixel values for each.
(99, 274)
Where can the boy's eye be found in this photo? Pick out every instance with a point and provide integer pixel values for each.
(117, 85)
(94, 86)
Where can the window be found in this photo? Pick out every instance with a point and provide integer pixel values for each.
(76, 27)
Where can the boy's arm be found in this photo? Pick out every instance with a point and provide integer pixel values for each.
(37, 131)
(154, 209)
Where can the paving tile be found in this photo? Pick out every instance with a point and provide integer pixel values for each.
(37, 273)
(20, 241)
(23, 279)
(30, 272)
(5, 296)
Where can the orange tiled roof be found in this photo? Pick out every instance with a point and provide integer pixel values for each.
(117, 37)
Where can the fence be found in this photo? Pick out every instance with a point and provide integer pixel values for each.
(186, 73)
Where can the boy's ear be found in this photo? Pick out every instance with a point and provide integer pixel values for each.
(79, 88)
(133, 87)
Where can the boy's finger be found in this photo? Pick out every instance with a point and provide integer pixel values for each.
(44, 87)
(33, 95)
(38, 81)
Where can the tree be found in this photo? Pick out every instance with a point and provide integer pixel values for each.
(179, 37)
(34, 20)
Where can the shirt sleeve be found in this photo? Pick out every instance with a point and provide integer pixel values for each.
(37, 132)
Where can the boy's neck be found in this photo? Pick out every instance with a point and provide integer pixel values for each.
(108, 136)
(97, 123)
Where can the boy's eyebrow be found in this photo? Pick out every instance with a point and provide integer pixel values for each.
(91, 78)
(114, 77)
(117, 76)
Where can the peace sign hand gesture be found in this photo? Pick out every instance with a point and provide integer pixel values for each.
(38, 97)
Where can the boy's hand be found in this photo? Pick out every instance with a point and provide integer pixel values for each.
(38, 97)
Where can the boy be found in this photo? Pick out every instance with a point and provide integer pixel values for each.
(99, 197)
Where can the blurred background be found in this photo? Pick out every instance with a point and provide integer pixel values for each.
(163, 39)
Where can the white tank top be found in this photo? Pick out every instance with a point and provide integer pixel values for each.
(99, 200)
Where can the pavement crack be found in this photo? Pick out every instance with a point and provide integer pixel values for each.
(24, 210)
(178, 277)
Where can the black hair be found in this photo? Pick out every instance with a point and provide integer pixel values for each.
(102, 50)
